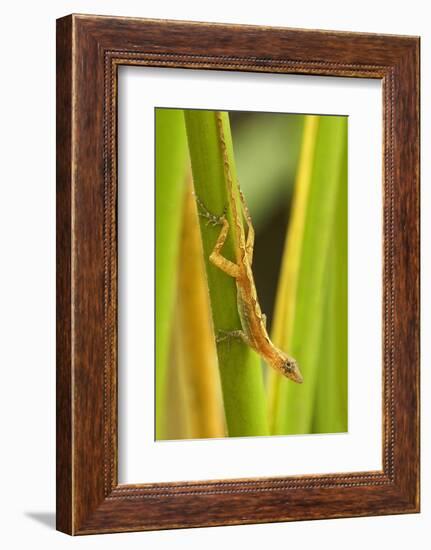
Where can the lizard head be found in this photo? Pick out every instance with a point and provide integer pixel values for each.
(289, 368)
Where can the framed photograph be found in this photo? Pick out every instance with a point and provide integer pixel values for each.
(237, 274)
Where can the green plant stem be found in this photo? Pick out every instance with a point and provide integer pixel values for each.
(240, 369)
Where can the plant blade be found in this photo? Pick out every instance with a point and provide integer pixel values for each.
(300, 329)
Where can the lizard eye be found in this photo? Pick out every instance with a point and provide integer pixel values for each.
(289, 366)
(291, 370)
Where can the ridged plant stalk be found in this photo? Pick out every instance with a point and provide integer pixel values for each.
(197, 352)
(177, 423)
(302, 300)
(240, 368)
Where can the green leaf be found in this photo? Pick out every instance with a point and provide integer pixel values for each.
(170, 178)
(330, 414)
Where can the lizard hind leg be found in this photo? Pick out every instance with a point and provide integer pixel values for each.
(216, 258)
(203, 212)
(249, 245)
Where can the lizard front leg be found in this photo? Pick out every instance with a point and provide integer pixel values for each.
(223, 335)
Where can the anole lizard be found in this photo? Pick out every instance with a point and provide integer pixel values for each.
(253, 321)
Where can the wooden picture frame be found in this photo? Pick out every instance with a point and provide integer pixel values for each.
(89, 51)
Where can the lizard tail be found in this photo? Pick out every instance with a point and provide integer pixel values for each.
(240, 241)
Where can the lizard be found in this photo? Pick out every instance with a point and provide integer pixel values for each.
(253, 330)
